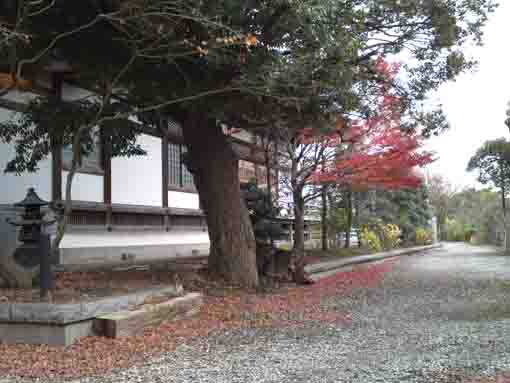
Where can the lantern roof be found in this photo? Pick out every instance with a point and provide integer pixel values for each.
(31, 200)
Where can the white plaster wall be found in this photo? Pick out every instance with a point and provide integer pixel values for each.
(101, 247)
(20, 96)
(125, 238)
(138, 180)
(72, 93)
(183, 200)
(86, 187)
(13, 187)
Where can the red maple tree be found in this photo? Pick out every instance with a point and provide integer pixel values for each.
(378, 151)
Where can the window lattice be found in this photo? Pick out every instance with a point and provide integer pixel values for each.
(174, 154)
(187, 177)
(179, 176)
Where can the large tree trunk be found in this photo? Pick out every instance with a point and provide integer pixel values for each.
(215, 169)
(324, 218)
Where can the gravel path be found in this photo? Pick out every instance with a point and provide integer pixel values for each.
(434, 318)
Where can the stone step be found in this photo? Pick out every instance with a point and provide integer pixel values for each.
(130, 322)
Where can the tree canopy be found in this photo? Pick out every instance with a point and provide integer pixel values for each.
(492, 162)
(242, 58)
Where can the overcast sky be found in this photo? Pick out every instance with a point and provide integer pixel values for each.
(476, 103)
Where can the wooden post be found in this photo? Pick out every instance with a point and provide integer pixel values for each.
(107, 175)
(56, 171)
(165, 171)
(56, 146)
(107, 180)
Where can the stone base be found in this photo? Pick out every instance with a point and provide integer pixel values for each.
(62, 324)
(38, 333)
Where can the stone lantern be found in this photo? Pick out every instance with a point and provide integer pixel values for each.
(31, 220)
(35, 246)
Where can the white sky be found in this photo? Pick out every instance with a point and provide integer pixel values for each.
(476, 103)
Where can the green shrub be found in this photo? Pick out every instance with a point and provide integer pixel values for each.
(391, 236)
(371, 240)
(457, 231)
(423, 237)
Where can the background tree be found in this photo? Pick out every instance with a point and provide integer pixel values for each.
(413, 210)
(441, 193)
(305, 153)
(405, 207)
(475, 212)
(492, 162)
(377, 152)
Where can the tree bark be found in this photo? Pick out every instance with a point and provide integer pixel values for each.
(299, 226)
(324, 218)
(356, 206)
(215, 168)
(267, 161)
(348, 225)
(67, 208)
(298, 268)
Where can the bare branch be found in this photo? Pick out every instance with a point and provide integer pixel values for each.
(52, 44)
(42, 10)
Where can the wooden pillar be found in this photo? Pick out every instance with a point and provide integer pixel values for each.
(107, 168)
(165, 170)
(165, 174)
(56, 171)
(56, 146)
(107, 179)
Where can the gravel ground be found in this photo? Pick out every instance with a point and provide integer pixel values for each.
(439, 317)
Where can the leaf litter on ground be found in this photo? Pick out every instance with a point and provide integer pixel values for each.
(288, 306)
